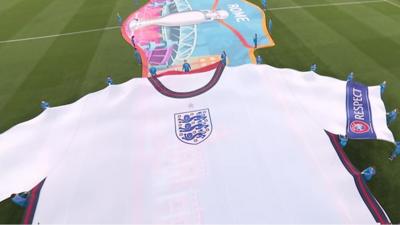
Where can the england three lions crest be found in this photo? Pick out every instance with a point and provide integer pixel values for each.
(193, 127)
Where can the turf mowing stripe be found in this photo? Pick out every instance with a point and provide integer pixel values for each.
(18, 16)
(300, 27)
(331, 47)
(59, 74)
(323, 41)
(18, 61)
(300, 53)
(375, 19)
(7, 5)
(392, 3)
(384, 16)
(60, 35)
(372, 42)
(326, 5)
(113, 57)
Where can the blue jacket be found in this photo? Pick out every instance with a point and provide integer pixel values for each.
(392, 115)
(368, 173)
(397, 149)
(153, 71)
(186, 67)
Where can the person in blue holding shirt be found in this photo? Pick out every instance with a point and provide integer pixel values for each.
(119, 18)
(153, 71)
(383, 87)
(343, 139)
(391, 116)
(20, 199)
(109, 81)
(396, 151)
(350, 76)
(270, 25)
(259, 59)
(255, 40)
(368, 173)
(313, 67)
(137, 56)
(186, 67)
(44, 105)
(223, 57)
(264, 4)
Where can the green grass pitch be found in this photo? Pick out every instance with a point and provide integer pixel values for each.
(364, 38)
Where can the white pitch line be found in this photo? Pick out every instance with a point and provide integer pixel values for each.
(392, 3)
(271, 9)
(60, 35)
(327, 4)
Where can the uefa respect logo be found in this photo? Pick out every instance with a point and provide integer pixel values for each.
(359, 127)
(359, 117)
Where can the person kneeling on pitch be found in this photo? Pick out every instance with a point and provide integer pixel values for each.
(368, 173)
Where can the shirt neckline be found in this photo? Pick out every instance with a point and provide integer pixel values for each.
(160, 87)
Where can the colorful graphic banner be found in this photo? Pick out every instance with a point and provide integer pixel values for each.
(168, 33)
(359, 117)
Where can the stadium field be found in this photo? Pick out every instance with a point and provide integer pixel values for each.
(59, 51)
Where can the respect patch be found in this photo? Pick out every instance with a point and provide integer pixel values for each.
(359, 116)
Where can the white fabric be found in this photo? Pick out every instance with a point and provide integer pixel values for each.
(114, 157)
(378, 117)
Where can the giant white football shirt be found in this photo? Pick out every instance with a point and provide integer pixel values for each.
(253, 145)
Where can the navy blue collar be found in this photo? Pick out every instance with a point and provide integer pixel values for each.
(173, 94)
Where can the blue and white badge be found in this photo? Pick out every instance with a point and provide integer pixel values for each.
(359, 116)
(193, 127)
